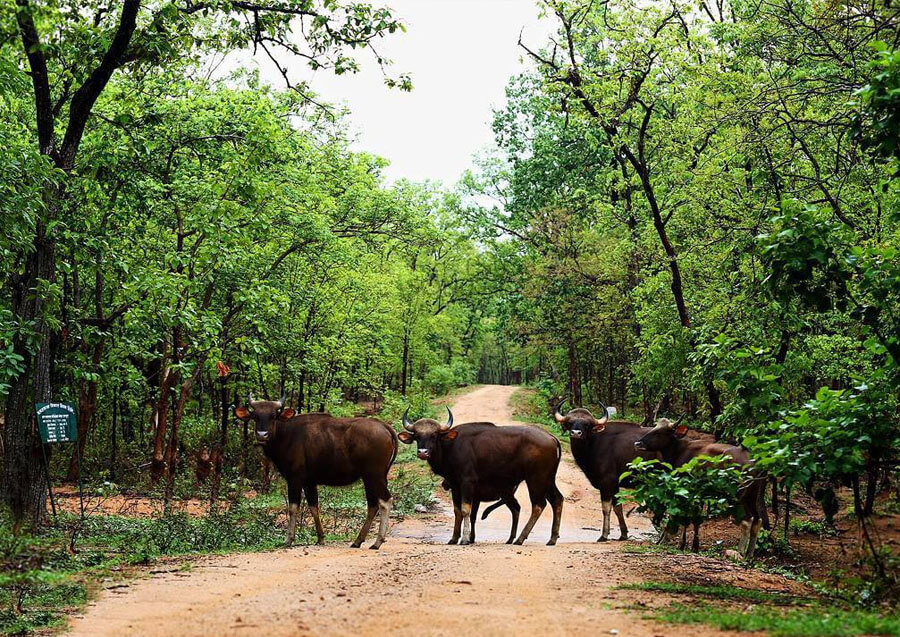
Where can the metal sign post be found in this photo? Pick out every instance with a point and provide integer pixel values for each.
(56, 423)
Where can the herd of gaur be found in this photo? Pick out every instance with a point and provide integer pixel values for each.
(478, 461)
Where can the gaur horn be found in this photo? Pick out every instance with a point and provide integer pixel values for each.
(281, 400)
(251, 397)
(406, 424)
(602, 421)
(557, 414)
(449, 420)
(678, 420)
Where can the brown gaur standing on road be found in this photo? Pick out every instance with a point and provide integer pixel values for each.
(602, 450)
(313, 449)
(481, 462)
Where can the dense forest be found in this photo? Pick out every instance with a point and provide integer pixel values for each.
(689, 208)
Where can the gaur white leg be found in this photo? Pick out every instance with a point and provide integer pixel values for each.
(364, 531)
(384, 509)
(466, 513)
(457, 523)
(745, 537)
(556, 501)
(607, 512)
(312, 500)
(320, 530)
(292, 522)
(623, 528)
(751, 539)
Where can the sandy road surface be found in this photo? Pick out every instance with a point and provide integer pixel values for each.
(414, 585)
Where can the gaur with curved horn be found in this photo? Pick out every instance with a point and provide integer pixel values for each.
(669, 440)
(599, 423)
(602, 450)
(317, 449)
(409, 427)
(481, 462)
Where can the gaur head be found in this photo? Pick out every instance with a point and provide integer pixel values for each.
(579, 422)
(662, 435)
(427, 433)
(266, 414)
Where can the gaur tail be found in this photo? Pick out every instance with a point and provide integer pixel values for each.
(393, 442)
(495, 505)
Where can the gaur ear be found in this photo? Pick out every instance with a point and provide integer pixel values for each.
(450, 434)
(242, 412)
(599, 427)
(286, 414)
(406, 437)
(680, 431)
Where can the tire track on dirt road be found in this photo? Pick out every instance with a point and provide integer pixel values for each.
(414, 585)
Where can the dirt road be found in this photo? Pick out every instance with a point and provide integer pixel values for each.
(414, 585)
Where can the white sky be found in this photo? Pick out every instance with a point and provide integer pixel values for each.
(460, 54)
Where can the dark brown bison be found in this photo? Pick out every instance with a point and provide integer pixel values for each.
(313, 449)
(602, 449)
(668, 438)
(481, 462)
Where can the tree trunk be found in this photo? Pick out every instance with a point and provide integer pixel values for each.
(574, 381)
(87, 406)
(23, 484)
(158, 461)
(404, 369)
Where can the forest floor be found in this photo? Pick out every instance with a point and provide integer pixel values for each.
(417, 585)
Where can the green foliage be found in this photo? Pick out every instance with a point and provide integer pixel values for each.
(817, 621)
(880, 101)
(702, 488)
(832, 437)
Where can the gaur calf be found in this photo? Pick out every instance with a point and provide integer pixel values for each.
(481, 462)
(313, 449)
(602, 450)
(668, 438)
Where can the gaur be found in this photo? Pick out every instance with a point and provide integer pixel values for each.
(313, 449)
(668, 438)
(602, 450)
(482, 462)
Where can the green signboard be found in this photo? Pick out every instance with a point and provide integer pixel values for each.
(56, 422)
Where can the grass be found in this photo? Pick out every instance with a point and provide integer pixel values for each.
(818, 621)
(43, 606)
(729, 607)
(529, 406)
(718, 591)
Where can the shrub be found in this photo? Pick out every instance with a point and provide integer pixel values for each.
(704, 487)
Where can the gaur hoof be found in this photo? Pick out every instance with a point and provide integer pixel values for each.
(320, 541)
(464, 542)
(603, 538)
(552, 542)
(623, 537)
(453, 540)
(375, 547)
(510, 540)
(356, 545)
(518, 542)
